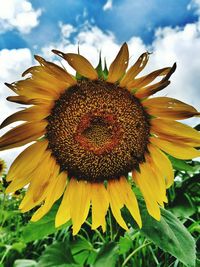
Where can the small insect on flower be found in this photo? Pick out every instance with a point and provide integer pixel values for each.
(89, 132)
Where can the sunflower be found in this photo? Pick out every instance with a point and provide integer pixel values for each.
(90, 132)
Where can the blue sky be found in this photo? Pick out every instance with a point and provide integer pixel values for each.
(125, 19)
(170, 29)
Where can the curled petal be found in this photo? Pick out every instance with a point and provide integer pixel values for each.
(170, 108)
(119, 65)
(145, 80)
(56, 71)
(151, 89)
(35, 113)
(79, 63)
(22, 134)
(135, 69)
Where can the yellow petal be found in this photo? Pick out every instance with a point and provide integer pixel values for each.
(63, 214)
(80, 195)
(169, 108)
(119, 65)
(27, 161)
(130, 200)
(135, 69)
(157, 183)
(20, 100)
(116, 202)
(56, 70)
(163, 164)
(175, 131)
(151, 89)
(54, 192)
(40, 178)
(177, 150)
(35, 88)
(144, 80)
(153, 181)
(35, 113)
(18, 184)
(80, 64)
(100, 204)
(28, 101)
(143, 180)
(22, 134)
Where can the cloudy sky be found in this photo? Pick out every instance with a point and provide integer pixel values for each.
(170, 29)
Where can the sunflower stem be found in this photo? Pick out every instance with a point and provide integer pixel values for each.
(97, 231)
(110, 223)
(134, 251)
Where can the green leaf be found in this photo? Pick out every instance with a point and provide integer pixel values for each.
(99, 67)
(81, 250)
(59, 255)
(79, 245)
(82, 257)
(105, 71)
(125, 244)
(45, 226)
(180, 165)
(107, 255)
(25, 263)
(19, 246)
(182, 206)
(170, 235)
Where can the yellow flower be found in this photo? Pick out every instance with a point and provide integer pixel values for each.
(89, 132)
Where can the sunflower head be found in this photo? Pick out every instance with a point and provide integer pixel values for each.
(90, 131)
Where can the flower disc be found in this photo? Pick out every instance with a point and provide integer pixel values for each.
(97, 131)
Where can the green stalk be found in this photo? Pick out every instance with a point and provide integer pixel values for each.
(134, 251)
(97, 231)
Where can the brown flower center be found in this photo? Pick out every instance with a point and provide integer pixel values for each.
(97, 131)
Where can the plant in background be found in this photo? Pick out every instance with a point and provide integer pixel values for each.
(91, 131)
(2, 167)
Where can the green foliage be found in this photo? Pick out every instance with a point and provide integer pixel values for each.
(57, 254)
(107, 255)
(167, 243)
(170, 235)
(45, 226)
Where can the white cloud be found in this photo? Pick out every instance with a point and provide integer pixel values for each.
(108, 5)
(12, 64)
(181, 46)
(90, 39)
(194, 5)
(66, 29)
(18, 14)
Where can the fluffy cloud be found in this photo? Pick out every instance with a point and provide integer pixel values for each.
(181, 45)
(18, 14)
(66, 29)
(194, 5)
(108, 5)
(12, 64)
